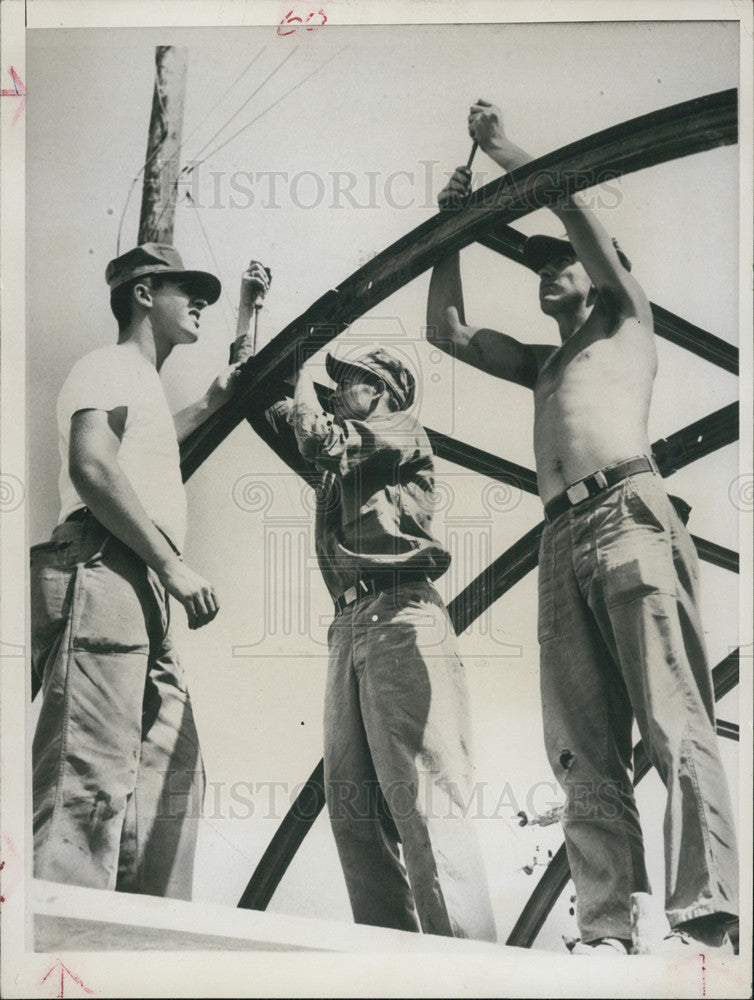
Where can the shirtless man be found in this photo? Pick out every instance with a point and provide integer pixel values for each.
(619, 629)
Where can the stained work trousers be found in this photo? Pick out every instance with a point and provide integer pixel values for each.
(117, 770)
(398, 767)
(621, 637)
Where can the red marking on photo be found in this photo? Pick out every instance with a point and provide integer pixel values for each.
(297, 21)
(704, 975)
(11, 867)
(64, 971)
(19, 90)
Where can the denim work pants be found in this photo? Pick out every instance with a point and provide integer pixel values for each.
(117, 771)
(397, 767)
(620, 637)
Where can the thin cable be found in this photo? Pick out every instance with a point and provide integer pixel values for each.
(249, 124)
(222, 97)
(253, 94)
(156, 150)
(212, 255)
(189, 169)
(253, 120)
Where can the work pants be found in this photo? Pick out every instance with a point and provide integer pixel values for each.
(620, 638)
(398, 766)
(117, 771)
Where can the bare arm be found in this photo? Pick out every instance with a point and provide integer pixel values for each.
(106, 490)
(255, 283)
(489, 350)
(189, 418)
(593, 246)
(618, 288)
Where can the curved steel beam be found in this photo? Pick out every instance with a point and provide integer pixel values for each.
(729, 730)
(483, 462)
(705, 345)
(697, 440)
(555, 877)
(700, 438)
(677, 131)
(717, 555)
(672, 453)
(287, 839)
(684, 446)
(496, 580)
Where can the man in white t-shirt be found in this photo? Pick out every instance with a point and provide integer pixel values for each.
(118, 774)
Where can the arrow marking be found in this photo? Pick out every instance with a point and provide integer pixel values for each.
(63, 973)
(19, 90)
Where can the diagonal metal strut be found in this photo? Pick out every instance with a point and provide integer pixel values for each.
(510, 243)
(686, 446)
(668, 134)
(693, 126)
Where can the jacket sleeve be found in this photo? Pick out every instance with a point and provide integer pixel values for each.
(334, 446)
(341, 446)
(273, 428)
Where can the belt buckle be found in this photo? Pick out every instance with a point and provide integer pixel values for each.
(577, 492)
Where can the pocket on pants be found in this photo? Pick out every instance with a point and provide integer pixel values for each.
(52, 570)
(647, 502)
(546, 596)
(635, 547)
(116, 611)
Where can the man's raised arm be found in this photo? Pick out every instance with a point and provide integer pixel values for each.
(593, 246)
(617, 287)
(489, 350)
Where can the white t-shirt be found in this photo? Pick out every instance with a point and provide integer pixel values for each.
(119, 375)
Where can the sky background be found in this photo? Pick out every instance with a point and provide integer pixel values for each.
(384, 116)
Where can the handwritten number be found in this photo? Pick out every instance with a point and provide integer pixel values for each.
(296, 21)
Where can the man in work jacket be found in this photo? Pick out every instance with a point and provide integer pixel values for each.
(619, 628)
(397, 751)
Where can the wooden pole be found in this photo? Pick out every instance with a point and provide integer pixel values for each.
(163, 146)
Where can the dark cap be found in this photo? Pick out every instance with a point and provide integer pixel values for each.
(539, 249)
(382, 364)
(159, 258)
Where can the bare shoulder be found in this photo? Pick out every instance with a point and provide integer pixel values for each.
(634, 337)
(625, 308)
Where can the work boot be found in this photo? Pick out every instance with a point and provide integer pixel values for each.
(681, 944)
(705, 935)
(602, 946)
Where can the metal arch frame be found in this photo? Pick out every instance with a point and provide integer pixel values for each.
(694, 126)
(491, 584)
(668, 134)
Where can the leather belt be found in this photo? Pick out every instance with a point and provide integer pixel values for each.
(598, 482)
(377, 583)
